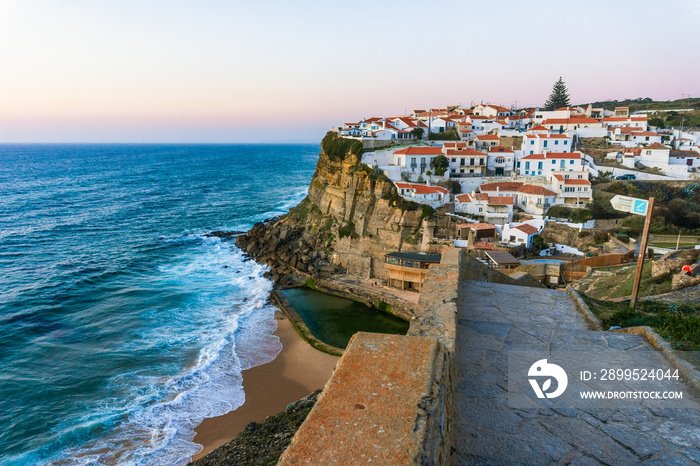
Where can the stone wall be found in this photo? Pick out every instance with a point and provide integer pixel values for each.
(472, 269)
(390, 398)
(399, 307)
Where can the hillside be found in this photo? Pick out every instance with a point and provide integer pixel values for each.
(647, 104)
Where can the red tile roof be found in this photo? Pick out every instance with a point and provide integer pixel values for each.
(548, 136)
(501, 186)
(423, 189)
(574, 120)
(465, 152)
(500, 149)
(645, 133)
(656, 146)
(500, 200)
(488, 137)
(422, 150)
(481, 226)
(527, 229)
(684, 153)
(577, 181)
(535, 190)
(538, 128)
(484, 245)
(454, 145)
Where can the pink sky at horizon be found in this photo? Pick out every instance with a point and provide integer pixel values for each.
(166, 71)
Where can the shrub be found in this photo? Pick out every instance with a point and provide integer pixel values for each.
(337, 148)
(347, 230)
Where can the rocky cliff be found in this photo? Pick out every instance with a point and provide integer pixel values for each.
(351, 217)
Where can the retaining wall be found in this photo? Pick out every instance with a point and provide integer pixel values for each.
(390, 398)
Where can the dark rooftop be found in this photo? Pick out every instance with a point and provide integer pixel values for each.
(502, 257)
(416, 256)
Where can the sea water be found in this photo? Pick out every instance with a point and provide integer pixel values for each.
(122, 323)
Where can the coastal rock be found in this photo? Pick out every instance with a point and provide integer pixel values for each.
(224, 234)
(349, 219)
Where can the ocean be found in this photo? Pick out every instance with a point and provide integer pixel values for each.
(122, 323)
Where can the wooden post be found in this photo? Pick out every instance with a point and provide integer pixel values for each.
(678, 241)
(642, 254)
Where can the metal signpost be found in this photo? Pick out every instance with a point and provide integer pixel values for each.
(639, 207)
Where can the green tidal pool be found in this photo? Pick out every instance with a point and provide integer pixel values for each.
(333, 320)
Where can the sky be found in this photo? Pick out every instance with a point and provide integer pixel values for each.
(217, 71)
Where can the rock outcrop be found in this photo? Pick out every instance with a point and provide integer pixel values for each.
(351, 217)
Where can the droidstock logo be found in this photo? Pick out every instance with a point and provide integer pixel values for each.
(551, 371)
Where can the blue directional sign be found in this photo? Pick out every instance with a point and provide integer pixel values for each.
(640, 207)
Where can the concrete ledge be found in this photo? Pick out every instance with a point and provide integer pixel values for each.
(583, 308)
(436, 311)
(687, 371)
(385, 404)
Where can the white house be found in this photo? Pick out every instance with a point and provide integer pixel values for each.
(535, 200)
(579, 125)
(466, 162)
(630, 156)
(531, 198)
(495, 209)
(434, 196)
(546, 163)
(538, 143)
(521, 234)
(688, 158)
(629, 136)
(465, 130)
(573, 192)
(541, 115)
(501, 160)
(484, 141)
(655, 156)
(480, 124)
(492, 110)
(634, 121)
(415, 159)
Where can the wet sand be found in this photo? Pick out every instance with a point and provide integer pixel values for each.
(297, 371)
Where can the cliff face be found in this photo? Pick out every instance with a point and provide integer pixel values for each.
(348, 221)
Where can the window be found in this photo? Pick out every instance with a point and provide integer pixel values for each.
(398, 161)
(571, 162)
(553, 162)
(532, 142)
(545, 144)
(556, 143)
(566, 142)
(481, 209)
(539, 165)
(532, 152)
(563, 162)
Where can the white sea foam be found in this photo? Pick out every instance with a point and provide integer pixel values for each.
(159, 420)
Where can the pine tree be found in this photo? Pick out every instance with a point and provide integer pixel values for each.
(559, 96)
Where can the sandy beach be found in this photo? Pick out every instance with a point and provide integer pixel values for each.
(297, 371)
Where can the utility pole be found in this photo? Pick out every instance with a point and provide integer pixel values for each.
(642, 254)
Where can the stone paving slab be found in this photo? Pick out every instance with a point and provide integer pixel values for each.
(495, 319)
